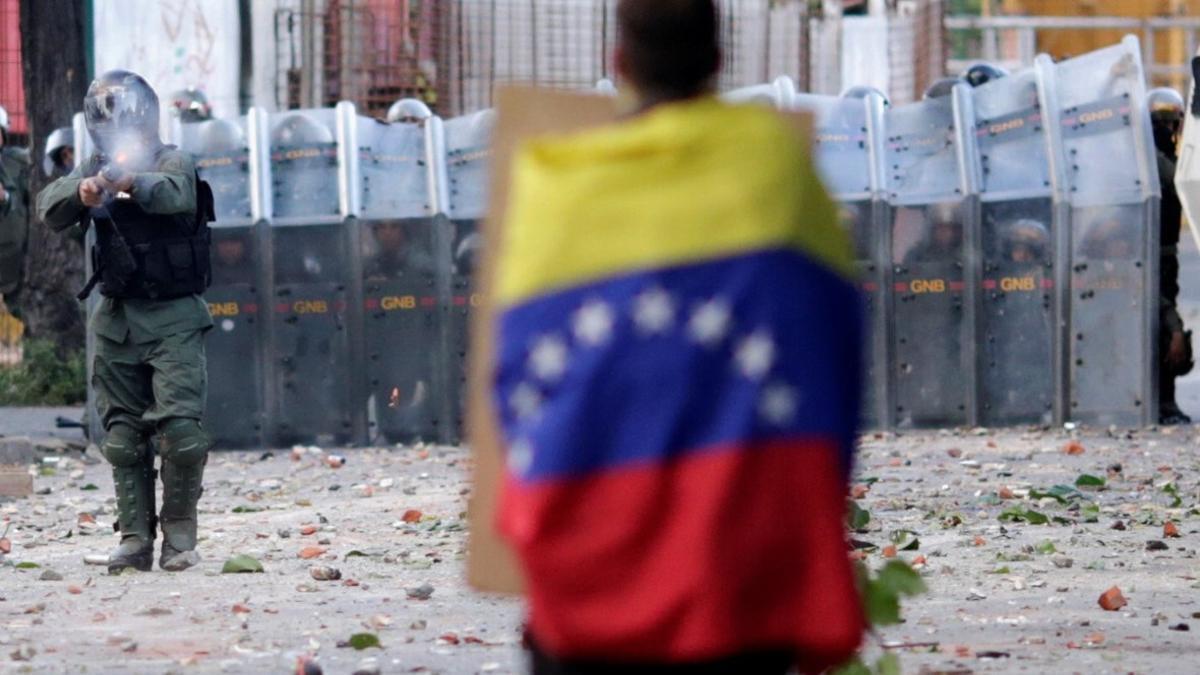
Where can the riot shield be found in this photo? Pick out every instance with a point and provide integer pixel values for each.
(1018, 382)
(1107, 151)
(312, 397)
(847, 154)
(930, 192)
(467, 155)
(402, 333)
(235, 415)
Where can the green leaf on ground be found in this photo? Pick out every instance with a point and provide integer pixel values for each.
(90, 486)
(248, 509)
(858, 517)
(1173, 492)
(1088, 480)
(241, 564)
(27, 566)
(1019, 514)
(1046, 547)
(362, 641)
(905, 540)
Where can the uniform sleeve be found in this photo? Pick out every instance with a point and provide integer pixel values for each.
(58, 204)
(171, 189)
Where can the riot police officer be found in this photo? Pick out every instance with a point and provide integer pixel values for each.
(150, 378)
(1175, 342)
(59, 157)
(941, 88)
(14, 210)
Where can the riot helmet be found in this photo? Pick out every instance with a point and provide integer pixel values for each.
(1166, 117)
(121, 110)
(299, 129)
(982, 73)
(942, 87)
(221, 137)
(3, 125)
(191, 105)
(409, 111)
(60, 152)
(862, 91)
(1025, 241)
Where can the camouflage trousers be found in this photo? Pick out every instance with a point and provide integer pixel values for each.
(144, 384)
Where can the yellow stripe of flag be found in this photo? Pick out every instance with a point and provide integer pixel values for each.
(685, 183)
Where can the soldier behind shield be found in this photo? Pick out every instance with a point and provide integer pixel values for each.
(396, 253)
(149, 366)
(1025, 242)
(14, 212)
(1175, 342)
(943, 239)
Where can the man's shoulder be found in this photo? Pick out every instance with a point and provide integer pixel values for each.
(172, 158)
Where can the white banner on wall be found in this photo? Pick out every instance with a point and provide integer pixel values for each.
(174, 44)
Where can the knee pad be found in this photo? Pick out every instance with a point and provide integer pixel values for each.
(124, 446)
(184, 441)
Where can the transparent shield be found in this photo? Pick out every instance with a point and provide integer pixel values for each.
(223, 160)
(468, 152)
(1011, 137)
(1100, 95)
(928, 324)
(859, 219)
(1108, 296)
(402, 328)
(1017, 313)
(841, 144)
(234, 415)
(921, 153)
(392, 167)
(304, 165)
(311, 346)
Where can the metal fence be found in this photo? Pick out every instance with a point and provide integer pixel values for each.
(1167, 43)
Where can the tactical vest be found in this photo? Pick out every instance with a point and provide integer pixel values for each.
(152, 256)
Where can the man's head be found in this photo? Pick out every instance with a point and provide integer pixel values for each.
(1166, 117)
(668, 49)
(390, 235)
(121, 110)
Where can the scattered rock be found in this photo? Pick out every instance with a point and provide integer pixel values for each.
(1156, 545)
(50, 575)
(324, 573)
(422, 592)
(1112, 600)
(1062, 561)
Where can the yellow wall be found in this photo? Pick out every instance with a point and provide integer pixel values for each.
(1169, 47)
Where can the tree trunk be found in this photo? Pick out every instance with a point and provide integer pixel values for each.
(56, 78)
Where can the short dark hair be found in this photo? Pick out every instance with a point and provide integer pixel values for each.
(670, 46)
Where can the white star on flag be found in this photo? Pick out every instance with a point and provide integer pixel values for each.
(653, 312)
(755, 355)
(525, 400)
(593, 323)
(778, 404)
(710, 322)
(548, 358)
(520, 457)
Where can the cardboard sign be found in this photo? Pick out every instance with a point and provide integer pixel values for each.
(522, 113)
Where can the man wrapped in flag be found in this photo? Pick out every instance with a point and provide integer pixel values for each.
(677, 379)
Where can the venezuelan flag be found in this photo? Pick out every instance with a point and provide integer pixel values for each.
(677, 380)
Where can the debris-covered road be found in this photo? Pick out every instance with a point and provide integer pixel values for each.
(1017, 533)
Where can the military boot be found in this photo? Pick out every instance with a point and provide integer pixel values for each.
(184, 453)
(133, 478)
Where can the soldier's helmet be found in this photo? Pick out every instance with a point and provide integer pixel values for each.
(982, 73)
(3, 125)
(191, 105)
(863, 91)
(60, 139)
(408, 110)
(1025, 240)
(942, 87)
(221, 136)
(299, 129)
(1165, 104)
(121, 108)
